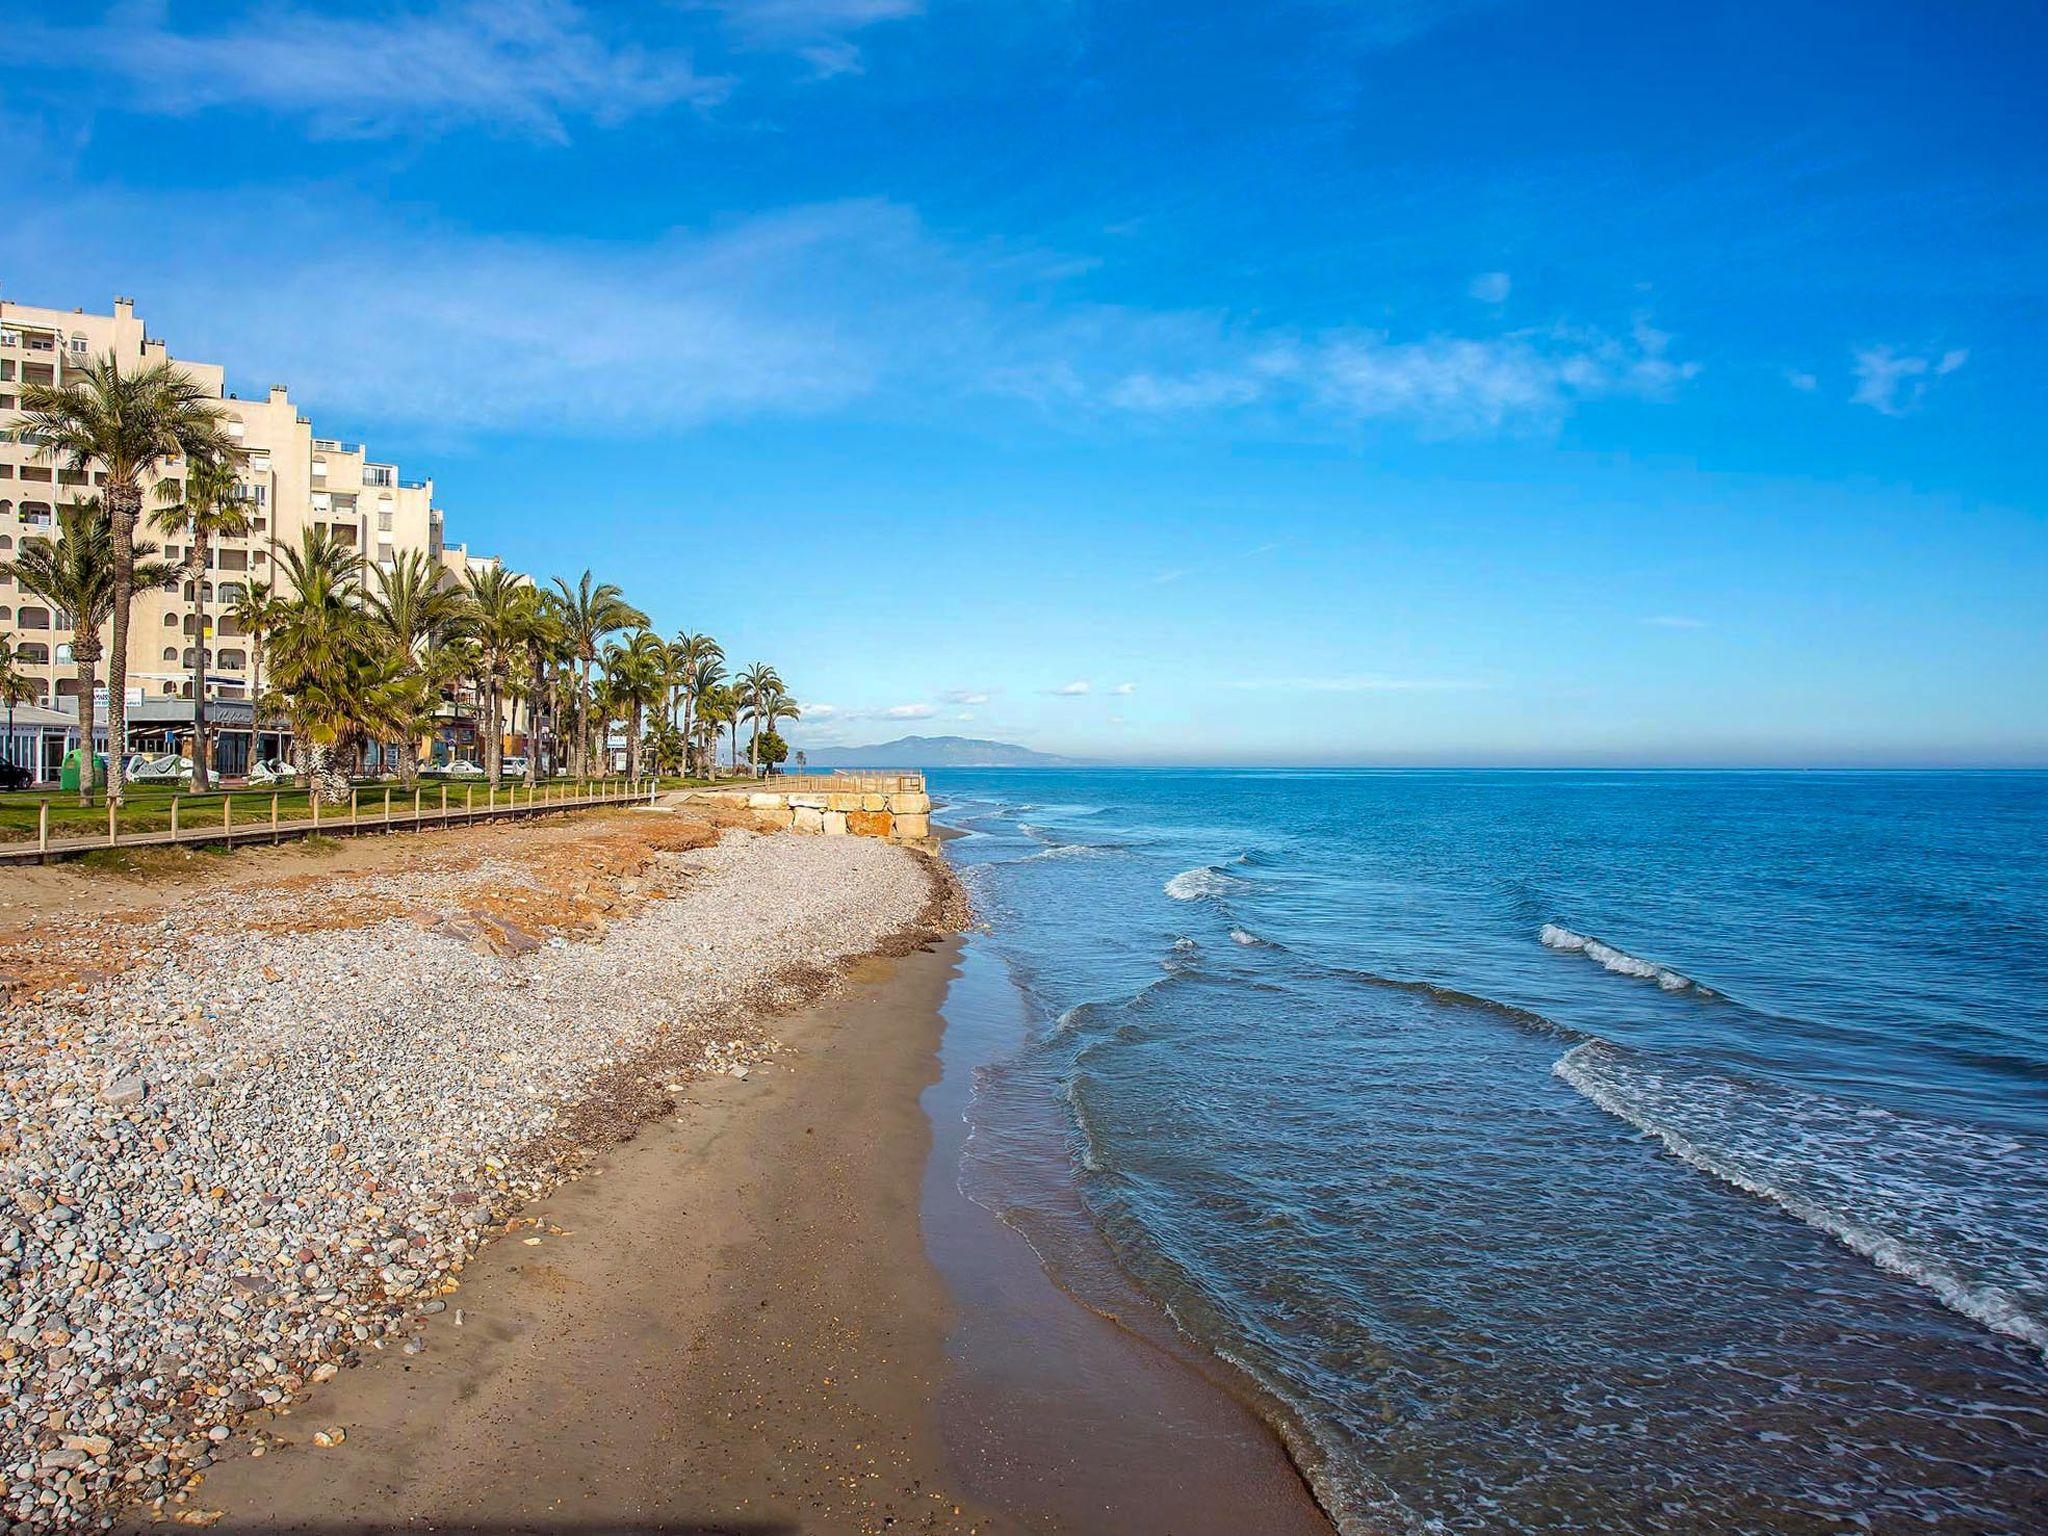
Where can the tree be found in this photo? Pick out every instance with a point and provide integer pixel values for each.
(416, 613)
(590, 613)
(636, 673)
(253, 613)
(544, 638)
(777, 705)
(206, 507)
(75, 576)
(132, 426)
(494, 616)
(704, 684)
(333, 679)
(14, 685)
(774, 749)
(717, 706)
(756, 684)
(690, 653)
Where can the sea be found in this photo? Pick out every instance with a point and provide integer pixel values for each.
(1549, 1151)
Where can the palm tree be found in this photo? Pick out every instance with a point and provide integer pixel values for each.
(328, 668)
(755, 685)
(636, 672)
(416, 612)
(14, 685)
(718, 705)
(253, 613)
(704, 682)
(132, 426)
(75, 576)
(207, 507)
(494, 613)
(545, 639)
(691, 652)
(778, 705)
(589, 614)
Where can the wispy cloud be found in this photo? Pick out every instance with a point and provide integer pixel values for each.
(522, 66)
(1359, 682)
(818, 31)
(966, 695)
(1168, 578)
(1125, 688)
(1894, 383)
(1675, 621)
(909, 712)
(1074, 690)
(1491, 287)
(1801, 380)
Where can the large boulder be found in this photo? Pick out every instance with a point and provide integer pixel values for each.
(808, 818)
(867, 823)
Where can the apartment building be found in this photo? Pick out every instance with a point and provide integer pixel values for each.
(292, 479)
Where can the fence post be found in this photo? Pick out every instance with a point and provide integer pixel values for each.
(273, 817)
(355, 813)
(444, 805)
(113, 809)
(469, 802)
(174, 816)
(416, 793)
(313, 799)
(43, 829)
(491, 801)
(387, 807)
(227, 820)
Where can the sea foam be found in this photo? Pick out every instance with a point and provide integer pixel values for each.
(1205, 880)
(1954, 1209)
(1620, 961)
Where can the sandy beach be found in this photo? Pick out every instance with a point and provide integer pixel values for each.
(570, 1177)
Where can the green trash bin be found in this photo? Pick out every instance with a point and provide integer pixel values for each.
(74, 765)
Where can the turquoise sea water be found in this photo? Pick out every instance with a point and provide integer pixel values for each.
(1560, 1151)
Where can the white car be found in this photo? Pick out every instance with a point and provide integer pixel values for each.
(512, 768)
(457, 770)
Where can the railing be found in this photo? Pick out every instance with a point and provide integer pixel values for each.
(443, 807)
(839, 781)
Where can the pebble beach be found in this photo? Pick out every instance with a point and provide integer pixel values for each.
(244, 1146)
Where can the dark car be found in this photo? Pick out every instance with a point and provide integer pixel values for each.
(14, 776)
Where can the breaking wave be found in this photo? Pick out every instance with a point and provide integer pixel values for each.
(1620, 961)
(1204, 880)
(1956, 1210)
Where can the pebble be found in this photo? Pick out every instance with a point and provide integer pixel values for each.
(234, 1161)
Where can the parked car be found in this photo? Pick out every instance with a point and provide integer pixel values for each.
(512, 768)
(455, 770)
(168, 769)
(14, 776)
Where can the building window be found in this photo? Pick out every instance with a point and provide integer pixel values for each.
(31, 654)
(383, 519)
(170, 653)
(170, 621)
(34, 618)
(232, 661)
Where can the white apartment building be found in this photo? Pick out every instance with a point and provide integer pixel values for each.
(292, 479)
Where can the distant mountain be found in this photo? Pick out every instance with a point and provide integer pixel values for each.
(934, 752)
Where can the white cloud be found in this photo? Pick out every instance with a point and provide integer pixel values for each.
(1676, 621)
(965, 714)
(1801, 380)
(523, 66)
(817, 714)
(1075, 689)
(1446, 385)
(1364, 682)
(818, 31)
(966, 695)
(1125, 688)
(909, 712)
(1491, 287)
(1894, 383)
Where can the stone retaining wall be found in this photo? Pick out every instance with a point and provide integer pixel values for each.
(903, 816)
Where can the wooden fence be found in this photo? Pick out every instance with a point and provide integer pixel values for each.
(366, 811)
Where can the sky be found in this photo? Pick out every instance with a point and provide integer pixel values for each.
(1511, 382)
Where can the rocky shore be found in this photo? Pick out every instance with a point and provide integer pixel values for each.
(237, 1150)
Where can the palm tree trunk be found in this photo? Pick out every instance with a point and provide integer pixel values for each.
(255, 700)
(583, 717)
(195, 566)
(85, 720)
(533, 703)
(123, 500)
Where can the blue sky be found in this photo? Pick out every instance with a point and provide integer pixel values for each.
(1420, 381)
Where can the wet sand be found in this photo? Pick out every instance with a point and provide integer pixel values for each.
(734, 1325)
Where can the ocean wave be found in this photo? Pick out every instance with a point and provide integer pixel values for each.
(1205, 880)
(1955, 1210)
(1251, 940)
(1620, 961)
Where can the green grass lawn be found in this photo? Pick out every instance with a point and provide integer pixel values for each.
(147, 807)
